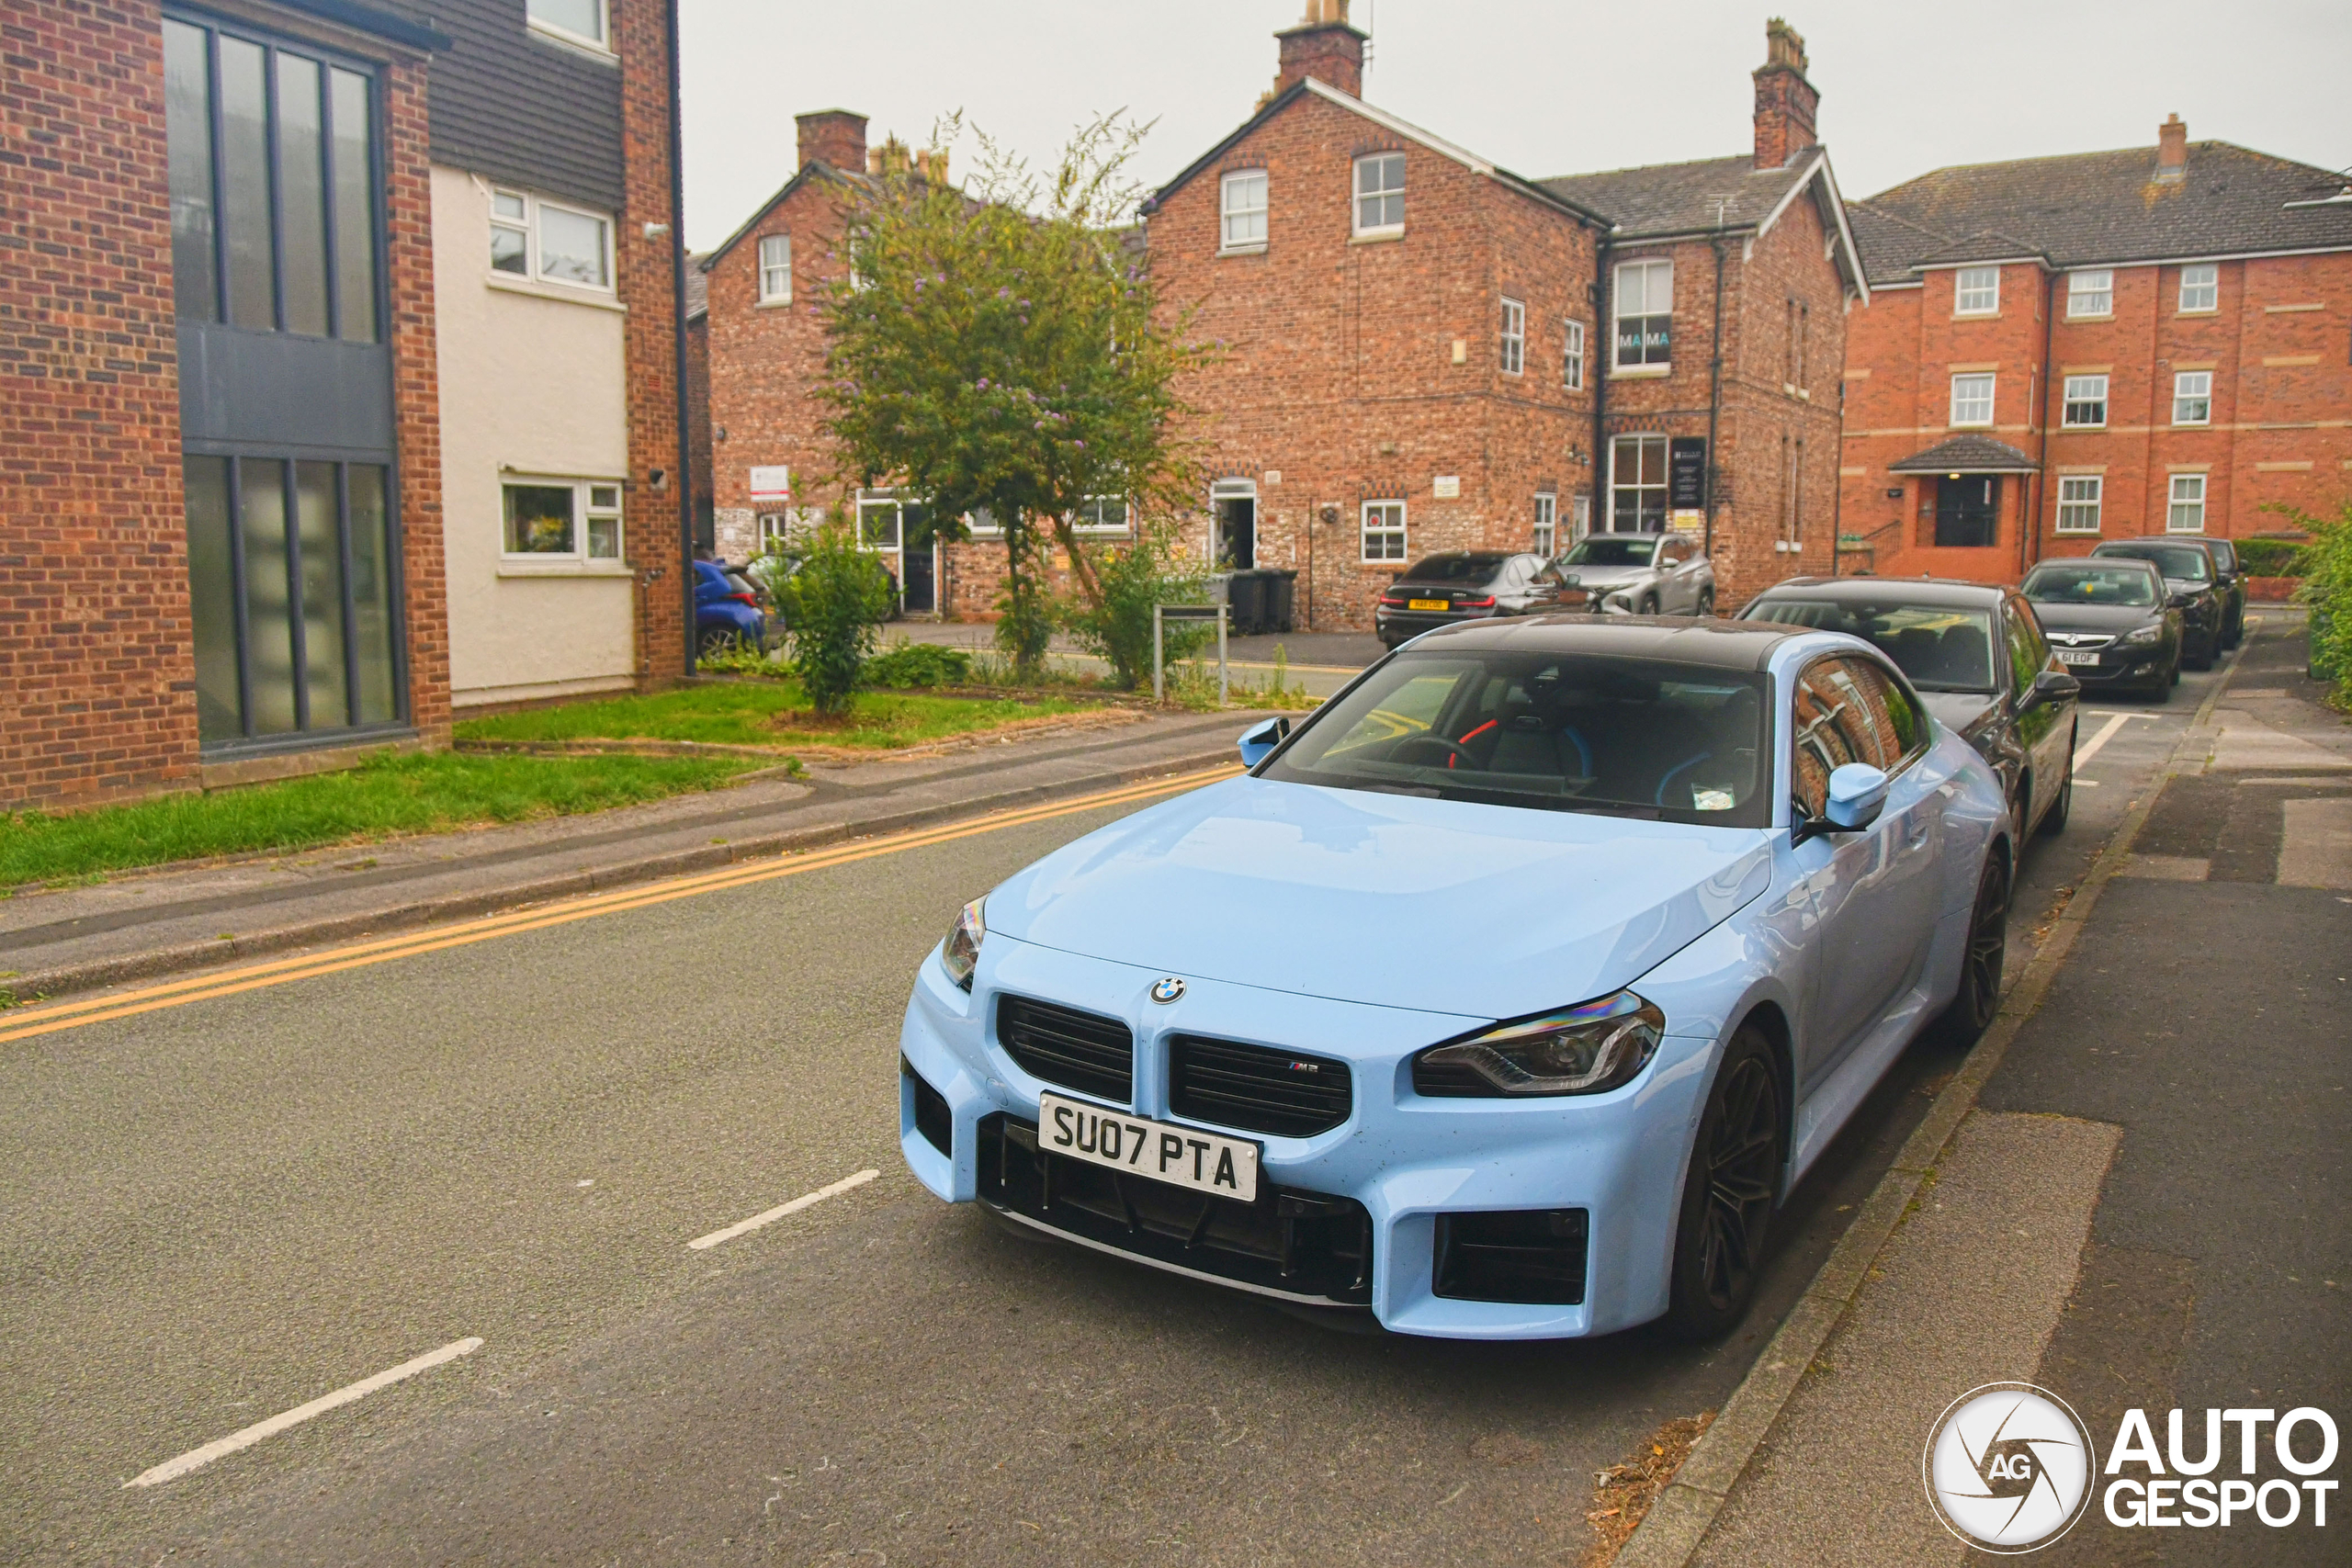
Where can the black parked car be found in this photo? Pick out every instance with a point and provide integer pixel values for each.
(2110, 621)
(1978, 660)
(2188, 567)
(2229, 584)
(1464, 585)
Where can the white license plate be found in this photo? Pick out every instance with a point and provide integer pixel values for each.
(1157, 1150)
(2077, 655)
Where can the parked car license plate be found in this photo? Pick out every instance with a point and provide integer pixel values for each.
(1428, 604)
(1159, 1151)
(2077, 655)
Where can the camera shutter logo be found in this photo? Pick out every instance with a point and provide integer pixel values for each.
(2007, 1467)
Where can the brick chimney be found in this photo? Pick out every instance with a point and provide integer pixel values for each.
(832, 136)
(1325, 46)
(1785, 101)
(2172, 148)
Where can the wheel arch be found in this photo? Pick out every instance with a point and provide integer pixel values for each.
(1768, 1019)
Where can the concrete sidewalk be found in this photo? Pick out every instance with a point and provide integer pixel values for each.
(140, 924)
(2146, 1199)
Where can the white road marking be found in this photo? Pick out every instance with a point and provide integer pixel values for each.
(2107, 733)
(770, 1217)
(196, 1458)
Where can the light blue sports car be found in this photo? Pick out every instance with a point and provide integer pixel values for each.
(1505, 997)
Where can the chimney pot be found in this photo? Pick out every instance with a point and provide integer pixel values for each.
(1786, 103)
(2172, 148)
(1324, 46)
(832, 136)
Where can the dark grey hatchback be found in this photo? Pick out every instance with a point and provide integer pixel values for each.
(1977, 658)
(1464, 585)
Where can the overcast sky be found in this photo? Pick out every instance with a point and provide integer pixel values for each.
(1539, 87)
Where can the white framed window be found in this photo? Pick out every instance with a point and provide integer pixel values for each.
(1978, 292)
(1103, 514)
(879, 521)
(1384, 530)
(555, 519)
(1572, 358)
(2086, 403)
(580, 21)
(1637, 484)
(1380, 194)
(1244, 206)
(1972, 399)
(530, 237)
(1513, 350)
(2078, 501)
(2187, 515)
(1645, 299)
(2192, 397)
(2090, 293)
(1547, 523)
(775, 269)
(776, 530)
(2200, 288)
(1579, 517)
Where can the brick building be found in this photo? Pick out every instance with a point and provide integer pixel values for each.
(2104, 346)
(224, 389)
(1426, 352)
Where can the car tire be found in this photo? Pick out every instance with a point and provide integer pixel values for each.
(1706, 602)
(2208, 652)
(2053, 820)
(712, 642)
(1979, 996)
(1728, 1192)
(2175, 679)
(1648, 605)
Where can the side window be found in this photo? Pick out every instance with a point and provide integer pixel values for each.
(1830, 727)
(2028, 653)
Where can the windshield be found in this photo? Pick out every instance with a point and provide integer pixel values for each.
(1475, 566)
(1559, 732)
(1942, 647)
(2087, 582)
(1623, 549)
(2186, 561)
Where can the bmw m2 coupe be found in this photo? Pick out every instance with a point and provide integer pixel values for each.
(1506, 996)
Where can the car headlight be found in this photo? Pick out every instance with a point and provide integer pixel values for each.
(961, 952)
(2139, 636)
(1580, 1049)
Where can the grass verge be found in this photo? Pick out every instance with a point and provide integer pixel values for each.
(385, 797)
(763, 713)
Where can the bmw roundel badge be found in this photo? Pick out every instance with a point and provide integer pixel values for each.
(1167, 990)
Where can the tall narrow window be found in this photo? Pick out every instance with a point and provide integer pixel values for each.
(1513, 347)
(775, 269)
(2086, 403)
(1637, 484)
(510, 233)
(1572, 358)
(1803, 325)
(1244, 198)
(355, 206)
(244, 185)
(2200, 288)
(317, 511)
(212, 592)
(269, 597)
(2188, 513)
(188, 117)
(302, 195)
(1547, 523)
(374, 700)
(1977, 291)
(2090, 293)
(1645, 314)
(1380, 194)
(1972, 399)
(2078, 503)
(2192, 397)
(1384, 530)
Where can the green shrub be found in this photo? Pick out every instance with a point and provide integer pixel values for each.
(908, 664)
(831, 608)
(2327, 589)
(1134, 579)
(2270, 558)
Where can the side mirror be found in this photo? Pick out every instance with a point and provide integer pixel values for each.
(2181, 601)
(1857, 795)
(1258, 741)
(2053, 684)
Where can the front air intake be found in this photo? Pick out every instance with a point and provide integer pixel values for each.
(1083, 1051)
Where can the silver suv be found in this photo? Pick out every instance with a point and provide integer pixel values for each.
(1642, 574)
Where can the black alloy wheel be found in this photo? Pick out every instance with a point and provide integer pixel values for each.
(2053, 821)
(1728, 1194)
(1706, 600)
(1971, 1010)
(1650, 604)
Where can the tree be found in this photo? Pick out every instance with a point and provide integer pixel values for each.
(1001, 352)
(831, 605)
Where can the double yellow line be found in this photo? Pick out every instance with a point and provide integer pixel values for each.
(27, 1023)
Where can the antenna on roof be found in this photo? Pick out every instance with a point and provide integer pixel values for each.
(1723, 205)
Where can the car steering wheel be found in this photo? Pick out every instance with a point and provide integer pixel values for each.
(1453, 750)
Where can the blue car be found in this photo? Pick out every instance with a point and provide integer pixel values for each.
(1505, 998)
(727, 609)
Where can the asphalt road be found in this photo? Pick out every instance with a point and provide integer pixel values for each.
(218, 1211)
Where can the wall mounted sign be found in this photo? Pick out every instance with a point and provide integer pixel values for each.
(1447, 487)
(1686, 474)
(772, 483)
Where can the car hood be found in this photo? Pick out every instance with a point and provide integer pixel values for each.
(1487, 912)
(1608, 576)
(2114, 619)
(1960, 712)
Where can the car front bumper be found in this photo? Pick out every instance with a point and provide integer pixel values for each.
(1397, 1165)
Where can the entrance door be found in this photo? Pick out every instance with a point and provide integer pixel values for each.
(1236, 505)
(1968, 510)
(285, 385)
(919, 580)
